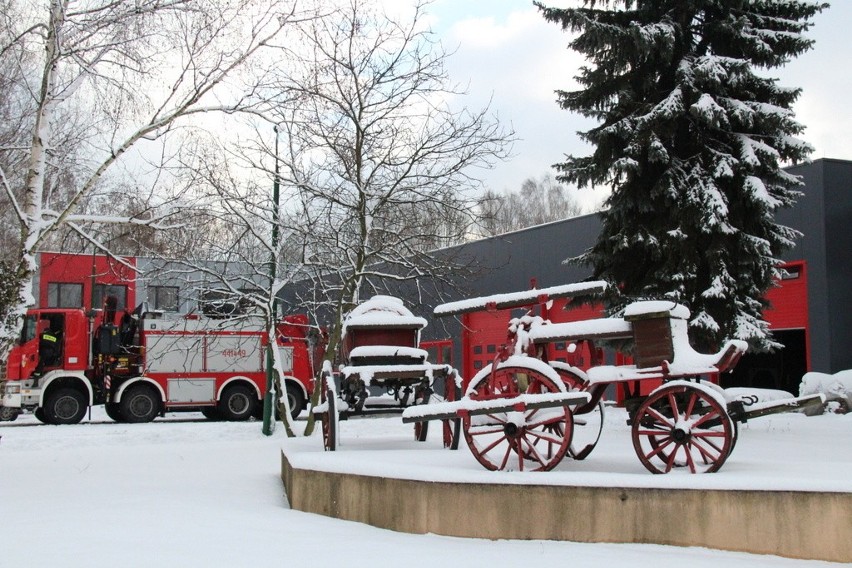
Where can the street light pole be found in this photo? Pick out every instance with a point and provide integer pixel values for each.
(269, 399)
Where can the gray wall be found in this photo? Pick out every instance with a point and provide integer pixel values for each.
(824, 215)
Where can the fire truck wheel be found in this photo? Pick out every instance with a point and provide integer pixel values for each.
(8, 414)
(113, 411)
(65, 406)
(139, 403)
(211, 413)
(238, 403)
(39, 414)
(296, 399)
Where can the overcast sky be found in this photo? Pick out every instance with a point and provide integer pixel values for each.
(506, 52)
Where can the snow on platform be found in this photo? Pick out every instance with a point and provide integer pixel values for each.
(786, 452)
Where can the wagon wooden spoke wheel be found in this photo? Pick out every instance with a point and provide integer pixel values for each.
(423, 396)
(451, 428)
(532, 440)
(588, 418)
(330, 417)
(682, 426)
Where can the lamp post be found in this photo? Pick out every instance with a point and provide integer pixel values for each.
(269, 399)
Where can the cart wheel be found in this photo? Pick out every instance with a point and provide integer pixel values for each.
(682, 426)
(715, 387)
(736, 430)
(534, 440)
(421, 430)
(329, 417)
(451, 426)
(423, 396)
(588, 419)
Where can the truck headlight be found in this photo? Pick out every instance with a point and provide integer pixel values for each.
(12, 388)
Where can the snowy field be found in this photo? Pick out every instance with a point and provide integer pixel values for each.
(183, 492)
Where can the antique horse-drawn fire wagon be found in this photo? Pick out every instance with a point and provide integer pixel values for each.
(523, 412)
(382, 347)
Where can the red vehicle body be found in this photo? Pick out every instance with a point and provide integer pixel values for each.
(146, 365)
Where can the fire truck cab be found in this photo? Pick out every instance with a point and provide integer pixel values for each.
(145, 365)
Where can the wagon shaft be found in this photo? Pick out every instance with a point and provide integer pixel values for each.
(740, 412)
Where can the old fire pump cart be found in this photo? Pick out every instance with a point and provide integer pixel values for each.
(385, 371)
(523, 412)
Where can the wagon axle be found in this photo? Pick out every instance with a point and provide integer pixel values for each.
(511, 430)
(680, 435)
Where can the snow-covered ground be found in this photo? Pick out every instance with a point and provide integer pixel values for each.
(197, 493)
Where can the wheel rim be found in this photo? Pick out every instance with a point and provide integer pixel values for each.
(532, 440)
(238, 403)
(141, 406)
(66, 407)
(681, 427)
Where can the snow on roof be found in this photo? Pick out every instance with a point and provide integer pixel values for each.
(382, 311)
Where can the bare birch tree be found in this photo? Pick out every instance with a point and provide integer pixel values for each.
(137, 68)
(244, 246)
(376, 155)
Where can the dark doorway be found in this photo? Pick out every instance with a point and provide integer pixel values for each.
(782, 369)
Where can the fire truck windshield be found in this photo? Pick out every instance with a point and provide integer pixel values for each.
(28, 333)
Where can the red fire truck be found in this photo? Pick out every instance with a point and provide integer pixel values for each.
(145, 365)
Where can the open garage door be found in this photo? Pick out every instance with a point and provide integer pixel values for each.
(788, 318)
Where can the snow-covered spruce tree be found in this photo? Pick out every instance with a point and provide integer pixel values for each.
(691, 139)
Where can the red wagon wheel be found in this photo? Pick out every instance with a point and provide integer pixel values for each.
(588, 419)
(534, 440)
(329, 417)
(451, 426)
(423, 396)
(682, 426)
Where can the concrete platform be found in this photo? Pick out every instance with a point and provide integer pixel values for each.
(786, 490)
(808, 525)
